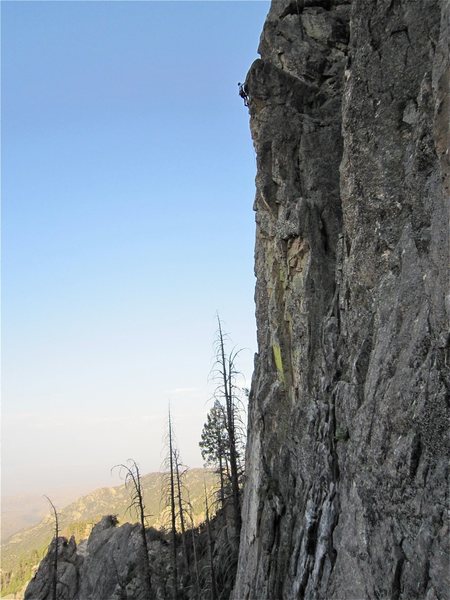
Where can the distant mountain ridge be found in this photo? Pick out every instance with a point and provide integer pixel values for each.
(22, 552)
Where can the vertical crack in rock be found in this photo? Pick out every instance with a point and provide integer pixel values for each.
(347, 455)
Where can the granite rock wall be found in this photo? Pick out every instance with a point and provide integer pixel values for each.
(347, 457)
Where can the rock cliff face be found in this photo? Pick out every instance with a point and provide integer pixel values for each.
(347, 456)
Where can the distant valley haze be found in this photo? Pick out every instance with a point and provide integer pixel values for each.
(24, 510)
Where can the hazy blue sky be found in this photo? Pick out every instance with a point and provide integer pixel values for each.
(127, 186)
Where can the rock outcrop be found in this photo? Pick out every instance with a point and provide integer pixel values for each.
(106, 566)
(22, 552)
(347, 456)
(110, 564)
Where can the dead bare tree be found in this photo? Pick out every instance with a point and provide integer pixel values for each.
(54, 580)
(133, 483)
(173, 510)
(210, 550)
(120, 581)
(190, 513)
(181, 509)
(226, 372)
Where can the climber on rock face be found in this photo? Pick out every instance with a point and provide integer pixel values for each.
(243, 93)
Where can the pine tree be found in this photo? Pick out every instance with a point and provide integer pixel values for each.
(215, 448)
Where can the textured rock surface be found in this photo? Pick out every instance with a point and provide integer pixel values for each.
(108, 566)
(69, 563)
(347, 458)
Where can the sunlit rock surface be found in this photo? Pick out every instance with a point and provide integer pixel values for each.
(347, 457)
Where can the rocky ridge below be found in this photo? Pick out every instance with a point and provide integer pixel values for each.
(110, 564)
(22, 553)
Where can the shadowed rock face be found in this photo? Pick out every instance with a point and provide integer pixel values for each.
(108, 566)
(347, 455)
